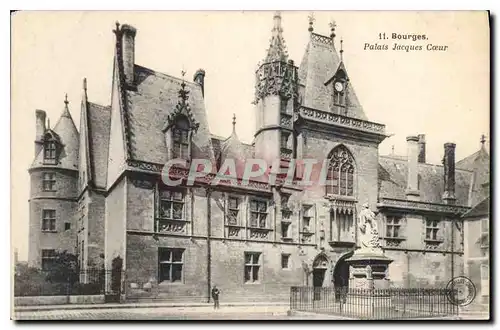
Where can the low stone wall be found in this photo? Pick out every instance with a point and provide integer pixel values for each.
(58, 300)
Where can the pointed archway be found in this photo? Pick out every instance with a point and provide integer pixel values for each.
(341, 272)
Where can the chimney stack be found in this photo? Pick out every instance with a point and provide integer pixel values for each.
(449, 173)
(421, 148)
(128, 33)
(39, 129)
(412, 192)
(199, 78)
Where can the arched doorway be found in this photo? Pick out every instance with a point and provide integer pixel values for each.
(341, 274)
(320, 266)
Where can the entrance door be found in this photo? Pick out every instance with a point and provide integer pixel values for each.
(318, 279)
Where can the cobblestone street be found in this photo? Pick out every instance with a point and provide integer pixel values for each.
(163, 313)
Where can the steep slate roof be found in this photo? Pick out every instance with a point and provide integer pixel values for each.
(230, 147)
(319, 63)
(148, 108)
(480, 210)
(479, 164)
(68, 135)
(393, 174)
(99, 127)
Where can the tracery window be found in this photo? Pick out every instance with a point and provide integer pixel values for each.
(340, 175)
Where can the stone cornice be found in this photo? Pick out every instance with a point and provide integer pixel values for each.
(331, 118)
(402, 204)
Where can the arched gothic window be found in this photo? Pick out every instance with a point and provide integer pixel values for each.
(340, 175)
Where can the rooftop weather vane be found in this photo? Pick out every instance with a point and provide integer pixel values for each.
(483, 139)
(183, 93)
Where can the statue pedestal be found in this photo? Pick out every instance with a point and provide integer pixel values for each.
(368, 277)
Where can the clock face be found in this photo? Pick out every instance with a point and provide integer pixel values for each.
(338, 86)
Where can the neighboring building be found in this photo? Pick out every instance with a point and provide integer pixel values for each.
(252, 241)
(477, 224)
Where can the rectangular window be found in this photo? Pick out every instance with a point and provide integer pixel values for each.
(171, 205)
(258, 214)
(170, 265)
(306, 218)
(252, 267)
(285, 230)
(485, 272)
(393, 226)
(233, 209)
(283, 106)
(180, 143)
(67, 226)
(48, 259)
(484, 226)
(432, 229)
(49, 220)
(285, 261)
(49, 181)
(49, 150)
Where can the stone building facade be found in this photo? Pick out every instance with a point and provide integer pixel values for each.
(254, 240)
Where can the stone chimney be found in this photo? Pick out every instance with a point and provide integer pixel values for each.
(128, 52)
(412, 192)
(449, 173)
(39, 129)
(199, 78)
(421, 148)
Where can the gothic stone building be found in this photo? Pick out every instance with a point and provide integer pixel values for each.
(96, 192)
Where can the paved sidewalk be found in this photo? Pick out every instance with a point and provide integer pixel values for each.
(141, 305)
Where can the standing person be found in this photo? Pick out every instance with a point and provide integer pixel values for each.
(215, 296)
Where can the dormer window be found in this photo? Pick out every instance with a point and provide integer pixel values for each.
(51, 145)
(180, 138)
(339, 93)
(179, 128)
(50, 151)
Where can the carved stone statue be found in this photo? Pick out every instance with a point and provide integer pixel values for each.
(369, 237)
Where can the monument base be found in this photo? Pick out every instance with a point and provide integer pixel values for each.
(368, 269)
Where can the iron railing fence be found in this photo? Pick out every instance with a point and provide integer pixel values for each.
(395, 303)
(47, 283)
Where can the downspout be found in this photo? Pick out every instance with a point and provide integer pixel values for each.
(209, 252)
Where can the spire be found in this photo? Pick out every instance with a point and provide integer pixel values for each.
(277, 49)
(311, 22)
(234, 123)
(341, 50)
(84, 96)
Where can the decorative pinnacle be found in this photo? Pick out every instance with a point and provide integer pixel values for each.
(311, 22)
(341, 49)
(234, 122)
(183, 93)
(66, 99)
(333, 25)
(483, 140)
(85, 84)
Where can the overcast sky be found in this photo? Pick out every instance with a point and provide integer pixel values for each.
(442, 94)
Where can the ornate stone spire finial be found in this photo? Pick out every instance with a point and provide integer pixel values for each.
(66, 100)
(483, 140)
(311, 22)
(333, 25)
(341, 50)
(48, 123)
(234, 122)
(277, 50)
(85, 84)
(183, 93)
